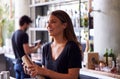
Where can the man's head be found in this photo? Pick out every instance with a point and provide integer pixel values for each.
(24, 22)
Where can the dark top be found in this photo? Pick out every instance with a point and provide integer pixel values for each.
(69, 58)
(18, 39)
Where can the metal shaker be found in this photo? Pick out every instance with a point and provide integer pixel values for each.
(1, 75)
(6, 74)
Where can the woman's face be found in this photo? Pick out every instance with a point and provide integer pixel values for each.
(55, 26)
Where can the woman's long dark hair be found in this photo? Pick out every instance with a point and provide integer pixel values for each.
(69, 33)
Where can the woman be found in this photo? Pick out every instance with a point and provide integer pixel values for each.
(62, 57)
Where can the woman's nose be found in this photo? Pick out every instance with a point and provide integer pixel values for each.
(49, 24)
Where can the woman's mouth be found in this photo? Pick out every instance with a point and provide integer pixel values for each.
(50, 30)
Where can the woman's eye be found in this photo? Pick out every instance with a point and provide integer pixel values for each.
(53, 22)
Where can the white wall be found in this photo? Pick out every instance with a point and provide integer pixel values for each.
(107, 25)
(21, 8)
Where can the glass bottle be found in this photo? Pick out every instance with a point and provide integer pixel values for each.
(118, 64)
(110, 58)
(106, 56)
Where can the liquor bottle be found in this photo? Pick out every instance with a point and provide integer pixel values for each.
(110, 58)
(118, 64)
(37, 21)
(106, 56)
(28, 62)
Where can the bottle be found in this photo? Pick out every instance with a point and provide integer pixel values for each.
(37, 21)
(106, 56)
(110, 58)
(27, 60)
(118, 64)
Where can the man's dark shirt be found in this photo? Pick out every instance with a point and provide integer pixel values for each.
(18, 39)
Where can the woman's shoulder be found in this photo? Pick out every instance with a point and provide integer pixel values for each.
(72, 44)
(46, 49)
(46, 46)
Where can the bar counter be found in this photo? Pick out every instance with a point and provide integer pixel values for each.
(99, 74)
(83, 71)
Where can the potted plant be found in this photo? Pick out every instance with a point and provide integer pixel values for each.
(10, 28)
(6, 23)
(2, 21)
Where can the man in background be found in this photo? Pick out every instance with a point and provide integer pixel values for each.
(21, 47)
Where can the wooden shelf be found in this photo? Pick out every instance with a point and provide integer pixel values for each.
(82, 1)
(38, 29)
(52, 2)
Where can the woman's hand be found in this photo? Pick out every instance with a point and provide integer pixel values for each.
(25, 68)
(35, 70)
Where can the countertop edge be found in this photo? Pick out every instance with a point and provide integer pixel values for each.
(112, 75)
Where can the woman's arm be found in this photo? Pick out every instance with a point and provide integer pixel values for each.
(36, 70)
(72, 74)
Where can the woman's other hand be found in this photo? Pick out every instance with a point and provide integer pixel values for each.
(25, 68)
(35, 70)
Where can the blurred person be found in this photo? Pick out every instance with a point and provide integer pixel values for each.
(61, 58)
(21, 47)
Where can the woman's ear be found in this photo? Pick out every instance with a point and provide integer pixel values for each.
(65, 25)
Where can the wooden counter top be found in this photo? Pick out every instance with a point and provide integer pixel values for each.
(112, 75)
